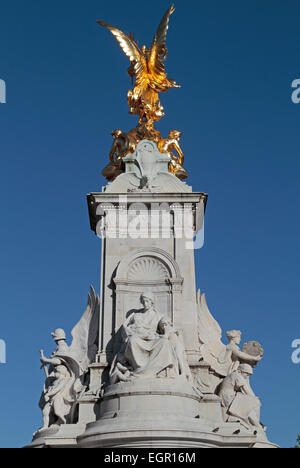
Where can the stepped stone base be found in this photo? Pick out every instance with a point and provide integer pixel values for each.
(141, 415)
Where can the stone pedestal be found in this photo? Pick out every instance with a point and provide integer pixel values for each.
(161, 259)
(161, 413)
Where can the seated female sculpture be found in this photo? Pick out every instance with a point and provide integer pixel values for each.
(151, 347)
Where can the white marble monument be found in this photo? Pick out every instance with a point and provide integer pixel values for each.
(147, 366)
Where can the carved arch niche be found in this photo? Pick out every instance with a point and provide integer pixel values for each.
(148, 270)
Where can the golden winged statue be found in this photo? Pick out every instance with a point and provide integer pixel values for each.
(148, 70)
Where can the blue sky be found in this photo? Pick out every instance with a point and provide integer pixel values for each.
(66, 91)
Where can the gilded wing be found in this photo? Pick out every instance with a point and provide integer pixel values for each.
(159, 51)
(161, 34)
(209, 331)
(131, 49)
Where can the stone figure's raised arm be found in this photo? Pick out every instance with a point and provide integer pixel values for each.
(244, 356)
(53, 361)
(251, 353)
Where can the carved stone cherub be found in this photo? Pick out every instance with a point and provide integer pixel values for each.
(168, 146)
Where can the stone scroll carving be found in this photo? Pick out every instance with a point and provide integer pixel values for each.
(151, 347)
(66, 369)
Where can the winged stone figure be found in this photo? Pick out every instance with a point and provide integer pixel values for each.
(67, 367)
(222, 359)
(148, 70)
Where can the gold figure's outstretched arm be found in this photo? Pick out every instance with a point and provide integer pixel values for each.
(129, 47)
